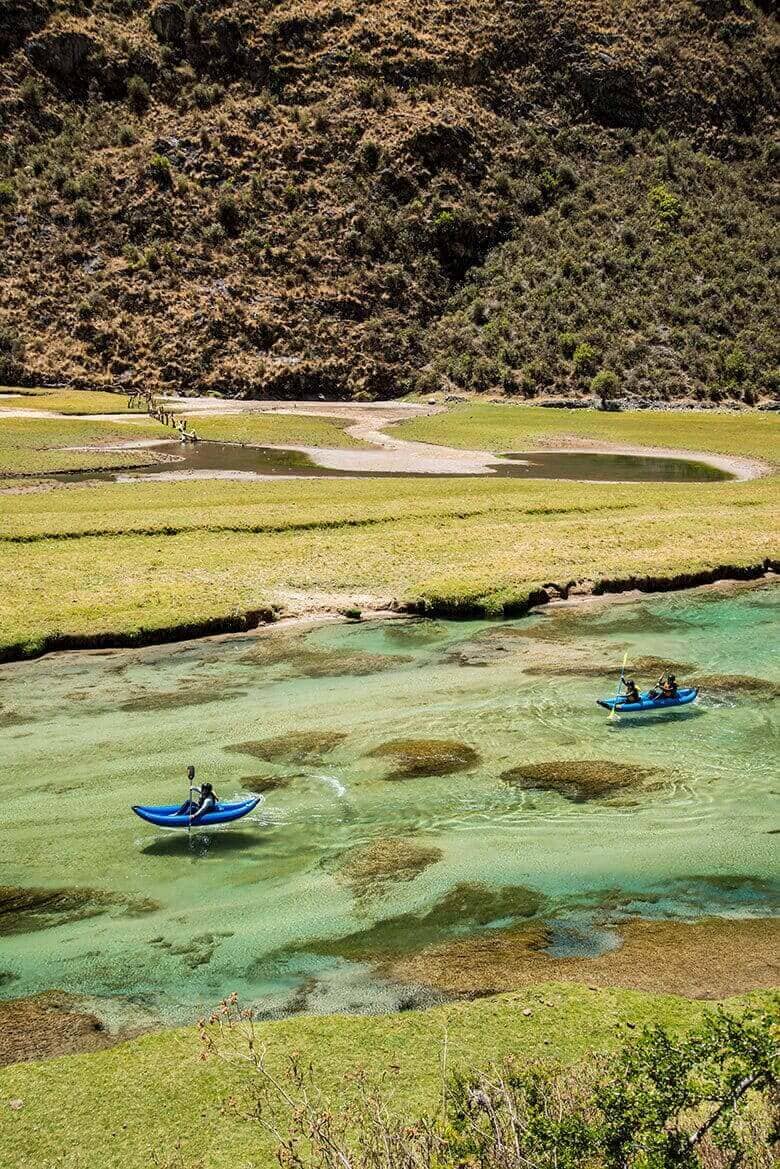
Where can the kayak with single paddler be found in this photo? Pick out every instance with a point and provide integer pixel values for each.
(171, 816)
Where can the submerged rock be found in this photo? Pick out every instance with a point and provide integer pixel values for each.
(710, 958)
(198, 951)
(290, 657)
(263, 783)
(11, 718)
(371, 868)
(172, 699)
(25, 910)
(737, 684)
(420, 631)
(466, 908)
(413, 758)
(295, 747)
(639, 666)
(579, 779)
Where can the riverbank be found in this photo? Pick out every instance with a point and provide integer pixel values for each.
(432, 606)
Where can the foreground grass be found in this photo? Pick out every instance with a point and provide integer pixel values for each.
(273, 429)
(36, 446)
(115, 1109)
(501, 427)
(65, 401)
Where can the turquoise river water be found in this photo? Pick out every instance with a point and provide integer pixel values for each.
(96, 902)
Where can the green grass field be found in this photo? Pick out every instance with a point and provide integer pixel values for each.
(272, 429)
(66, 401)
(38, 446)
(501, 427)
(116, 1109)
(151, 557)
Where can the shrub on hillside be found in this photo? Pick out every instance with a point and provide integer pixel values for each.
(138, 94)
(229, 214)
(666, 206)
(160, 170)
(605, 386)
(7, 193)
(568, 343)
(584, 358)
(11, 353)
(31, 94)
(126, 136)
(82, 213)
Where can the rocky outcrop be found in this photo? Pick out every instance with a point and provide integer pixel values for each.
(168, 21)
(66, 55)
(19, 18)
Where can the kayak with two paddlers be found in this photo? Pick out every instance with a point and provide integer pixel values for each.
(684, 696)
(665, 695)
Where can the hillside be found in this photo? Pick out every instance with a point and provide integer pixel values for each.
(372, 197)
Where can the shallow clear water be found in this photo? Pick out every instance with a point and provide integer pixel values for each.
(258, 907)
(256, 460)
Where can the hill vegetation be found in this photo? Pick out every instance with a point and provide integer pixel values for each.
(558, 197)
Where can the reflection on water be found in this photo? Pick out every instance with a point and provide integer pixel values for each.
(204, 457)
(613, 468)
(339, 862)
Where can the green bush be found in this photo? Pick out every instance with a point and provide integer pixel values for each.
(31, 94)
(735, 365)
(7, 193)
(605, 385)
(229, 214)
(584, 358)
(206, 96)
(126, 136)
(663, 1101)
(138, 94)
(370, 154)
(82, 213)
(213, 234)
(160, 170)
(667, 207)
(568, 343)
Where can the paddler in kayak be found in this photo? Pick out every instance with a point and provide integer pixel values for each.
(631, 694)
(206, 802)
(666, 687)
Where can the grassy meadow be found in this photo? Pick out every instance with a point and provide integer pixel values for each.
(272, 429)
(505, 427)
(41, 446)
(124, 1107)
(66, 401)
(149, 557)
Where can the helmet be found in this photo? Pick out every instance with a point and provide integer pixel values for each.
(671, 677)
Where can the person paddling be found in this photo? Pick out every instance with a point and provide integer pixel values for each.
(666, 687)
(206, 802)
(631, 694)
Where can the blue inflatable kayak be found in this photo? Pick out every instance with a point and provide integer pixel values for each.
(167, 815)
(685, 695)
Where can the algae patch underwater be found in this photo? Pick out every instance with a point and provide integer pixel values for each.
(415, 758)
(580, 780)
(372, 868)
(295, 747)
